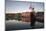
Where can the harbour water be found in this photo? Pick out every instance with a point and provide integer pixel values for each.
(19, 25)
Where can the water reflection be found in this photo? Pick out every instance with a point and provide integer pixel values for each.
(15, 24)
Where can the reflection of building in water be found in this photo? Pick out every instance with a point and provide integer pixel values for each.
(10, 16)
(40, 16)
(25, 16)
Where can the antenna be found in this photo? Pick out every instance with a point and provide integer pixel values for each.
(30, 6)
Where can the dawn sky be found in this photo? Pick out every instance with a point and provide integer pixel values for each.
(21, 6)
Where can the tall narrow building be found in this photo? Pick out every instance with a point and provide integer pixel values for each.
(26, 16)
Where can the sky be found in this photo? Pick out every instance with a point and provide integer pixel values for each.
(23, 6)
(29, 0)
